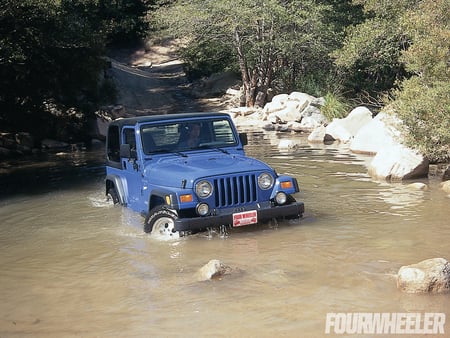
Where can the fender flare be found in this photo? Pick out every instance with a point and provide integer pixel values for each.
(117, 182)
(162, 194)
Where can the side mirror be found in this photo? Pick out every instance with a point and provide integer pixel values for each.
(125, 151)
(243, 138)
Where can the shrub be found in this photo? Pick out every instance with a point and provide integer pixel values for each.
(425, 112)
(335, 106)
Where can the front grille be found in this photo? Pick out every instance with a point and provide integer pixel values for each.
(235, 190)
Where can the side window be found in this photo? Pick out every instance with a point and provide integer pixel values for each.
(129, 137)
(113, 147)
(223, 132)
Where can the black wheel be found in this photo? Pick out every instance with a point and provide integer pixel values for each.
(112, 195)
(161, 222)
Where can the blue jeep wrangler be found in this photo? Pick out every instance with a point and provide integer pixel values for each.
(188, 172)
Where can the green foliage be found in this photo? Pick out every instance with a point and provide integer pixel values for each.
(369, 58)
(425, 112)
(203, 58)
(273, 43)
(428, 25)
(335, 106)
(47, 53)
(51, 51)
(403, 47)
(423, 101)
(125, 20)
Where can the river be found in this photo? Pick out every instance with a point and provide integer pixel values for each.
(74, 266)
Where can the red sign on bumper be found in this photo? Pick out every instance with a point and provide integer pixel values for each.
(245, 218)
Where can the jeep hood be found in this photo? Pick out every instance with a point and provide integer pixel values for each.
(172, 171)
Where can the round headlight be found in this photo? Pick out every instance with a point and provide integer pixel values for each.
(280, 198)
(203, 189)
(202, 209)
(265, 181)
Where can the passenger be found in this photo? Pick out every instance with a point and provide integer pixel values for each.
(192, 140)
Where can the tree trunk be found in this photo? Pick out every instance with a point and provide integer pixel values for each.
(258, 80)
(248, 80)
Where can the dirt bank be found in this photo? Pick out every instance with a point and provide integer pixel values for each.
(151, 80)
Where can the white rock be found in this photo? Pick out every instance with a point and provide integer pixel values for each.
(337, 130)
(445, 186)
(317, 135)
(398, 162)
(374, 136)
(272, 107)
(301, 97)
(289, 113)
(345, 129)
(281, 99)
(214, 268)
(311, 122)
(287, 144)
(430, 275)
(418, 186)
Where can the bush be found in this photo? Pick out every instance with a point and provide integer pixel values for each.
(205, 58)
(335, 106)
(425, 112)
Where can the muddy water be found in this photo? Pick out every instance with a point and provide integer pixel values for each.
(74, 266)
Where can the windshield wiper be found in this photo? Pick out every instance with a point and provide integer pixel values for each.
(222, 150)
(168, 151)
(206, 146)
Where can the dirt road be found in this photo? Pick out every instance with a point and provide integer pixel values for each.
(152, 81)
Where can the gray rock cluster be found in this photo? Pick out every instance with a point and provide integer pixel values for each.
(377, 136)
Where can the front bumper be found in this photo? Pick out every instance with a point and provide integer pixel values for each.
(265, 212)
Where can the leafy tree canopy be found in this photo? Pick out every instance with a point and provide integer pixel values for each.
(266, 38)
(402, 49)
(423, 101)
(51, 56)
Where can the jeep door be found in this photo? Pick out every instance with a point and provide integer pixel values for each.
(132, 170)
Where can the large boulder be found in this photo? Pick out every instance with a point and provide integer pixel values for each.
(397, 163)
(317, 135)
(303, 98)
(290, 112)
(345, 129)
(311, 118)
(379, 133)
(431, 275)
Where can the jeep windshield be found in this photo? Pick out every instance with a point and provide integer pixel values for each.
(176, 137)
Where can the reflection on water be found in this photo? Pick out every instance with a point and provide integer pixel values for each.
(73, 265)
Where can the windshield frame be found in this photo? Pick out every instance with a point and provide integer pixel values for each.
(169, 136)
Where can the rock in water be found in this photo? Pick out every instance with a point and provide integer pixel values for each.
(213, 269)
(429, 276)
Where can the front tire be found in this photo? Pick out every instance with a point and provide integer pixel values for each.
(112, 196)
(161, 222)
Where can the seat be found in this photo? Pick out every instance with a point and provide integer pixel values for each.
(148, 143)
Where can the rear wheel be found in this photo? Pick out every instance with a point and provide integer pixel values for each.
(161, 222)
(112, 196)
